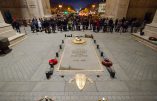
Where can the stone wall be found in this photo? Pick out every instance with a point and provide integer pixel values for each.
(46, 7)
(26, 8)
(131, 8)
(122, 8)
(155, 18)
(12, 6)
(1, 18)
(111, 8)
(138, 8)
(116, 8)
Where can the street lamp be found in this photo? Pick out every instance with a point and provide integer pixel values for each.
(93, 6)
(56, 10)
(60, 6)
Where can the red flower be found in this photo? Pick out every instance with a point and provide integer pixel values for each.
(106, 62)
(53, 61)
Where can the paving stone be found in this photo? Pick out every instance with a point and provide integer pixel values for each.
(112, 86)
(18, 86)
(49, 86)
(69, 87)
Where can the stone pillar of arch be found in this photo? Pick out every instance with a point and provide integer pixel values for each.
(117, 8)
(26, 8)
(46, 8)
(2, 22)
(151, 29)
(39, 8)
(1, 18)
(155, 18)
(5, 29)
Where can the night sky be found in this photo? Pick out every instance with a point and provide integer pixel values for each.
(77, 4)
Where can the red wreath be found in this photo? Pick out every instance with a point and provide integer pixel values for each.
(106, 62)
(53, 61)
(153, 38)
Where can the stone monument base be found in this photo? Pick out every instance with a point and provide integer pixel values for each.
(145, 40)
(6, 30)
(151, 30)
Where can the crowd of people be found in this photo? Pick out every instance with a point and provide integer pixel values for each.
(77, 23)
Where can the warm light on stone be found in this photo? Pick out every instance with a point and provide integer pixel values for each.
(60, 6)
(78, 40)
(80, 80)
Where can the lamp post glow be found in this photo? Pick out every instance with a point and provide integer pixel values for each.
(93, 6)
(60, 6)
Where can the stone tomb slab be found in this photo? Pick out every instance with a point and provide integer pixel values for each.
(80, 57)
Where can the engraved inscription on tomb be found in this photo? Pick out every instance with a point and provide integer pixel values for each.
(79, 54)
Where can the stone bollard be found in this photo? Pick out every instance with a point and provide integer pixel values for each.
(60, 46)
(62, 41)
(112, 74)
(95, 41)
(62, 76)
(51, 71)
(48, 75)
(92, 36)
(57, 55)
(51, 66)
(111, 71)
(102, 54)
(97, 46)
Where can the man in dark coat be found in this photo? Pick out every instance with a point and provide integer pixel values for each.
(17, 26)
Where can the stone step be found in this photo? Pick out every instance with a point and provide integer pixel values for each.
(16, 39)
(150, 33)
(8, 33)
(38, 97)
(5, 27)
(144, 40)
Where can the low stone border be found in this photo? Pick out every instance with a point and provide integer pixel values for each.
(145, 40)
(16, 39)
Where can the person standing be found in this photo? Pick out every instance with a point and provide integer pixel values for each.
(83, 24)
(105, 26)
(116, 23)
(46, 25)
(69, 24)
(73, 24)
(119, 25)
(111, 25)
(17, 26)
(36, 25)
(97, 25)
(53, 25)
(90, 23)
(13, 24)
(125, 29)
(86, 24)
(39, 25)
(94, 26)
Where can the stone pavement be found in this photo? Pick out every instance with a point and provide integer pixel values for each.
(22, 72)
